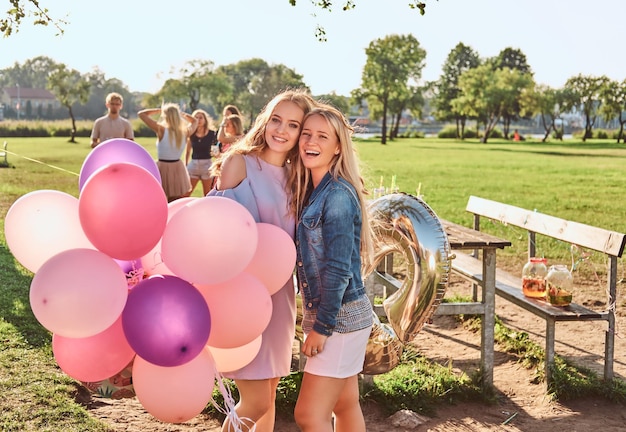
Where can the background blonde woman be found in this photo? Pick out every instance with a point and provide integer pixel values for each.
(172, 129)
(230, 132)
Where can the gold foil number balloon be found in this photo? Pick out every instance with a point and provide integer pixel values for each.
(405, 225)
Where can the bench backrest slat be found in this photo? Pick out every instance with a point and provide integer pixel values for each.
(587, 236)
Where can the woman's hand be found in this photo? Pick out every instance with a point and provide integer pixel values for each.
(314, 344)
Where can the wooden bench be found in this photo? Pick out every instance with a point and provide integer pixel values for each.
(509, 287)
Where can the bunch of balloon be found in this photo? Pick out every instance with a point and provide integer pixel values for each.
(123, 278)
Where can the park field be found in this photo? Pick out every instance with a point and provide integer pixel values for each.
(583, 182)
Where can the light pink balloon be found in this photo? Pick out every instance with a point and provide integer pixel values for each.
(175, 394)
(240, 308)
(231, 359)
(209, 240)
(152, 262)
(274, 258)
(41, 224)
(94, 358)
(78, 293)
(123, 210)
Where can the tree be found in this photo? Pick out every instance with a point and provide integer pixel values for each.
(320, 32)
(391, 63)
(20, 10)
(585, 94)
(459, 60)
(613, 96)
(254, 82)
(514, 59)
(487, 93)
(100, 87)
(32, 74)
(342, 103)
(547, 103)
(69, 87)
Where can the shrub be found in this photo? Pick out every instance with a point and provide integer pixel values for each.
(447, 132)
(601, 134)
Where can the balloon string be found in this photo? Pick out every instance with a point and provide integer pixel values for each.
(43, 163)
(236, 423)
(135, 275)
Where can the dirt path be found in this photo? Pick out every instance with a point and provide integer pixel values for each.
(521, 405)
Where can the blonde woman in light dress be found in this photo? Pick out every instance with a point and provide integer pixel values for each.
(172, 128)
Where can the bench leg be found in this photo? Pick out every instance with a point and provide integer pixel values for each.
(609, 344)
(488, 319)
(549, 350)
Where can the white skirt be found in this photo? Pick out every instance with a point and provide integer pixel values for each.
(342, 357)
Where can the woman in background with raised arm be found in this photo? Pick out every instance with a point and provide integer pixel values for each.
(172, 129)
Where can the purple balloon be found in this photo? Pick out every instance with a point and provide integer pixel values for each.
(113, 151)
(166, 320)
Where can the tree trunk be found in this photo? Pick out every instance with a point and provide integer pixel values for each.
(545, 128)
(73, 131)
(463, 128)
(489, 125)
(396, 126)
(507, 126)
(383, 138)
(621, 128)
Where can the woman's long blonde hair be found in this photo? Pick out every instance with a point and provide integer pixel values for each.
(172, 121)
(344, 165)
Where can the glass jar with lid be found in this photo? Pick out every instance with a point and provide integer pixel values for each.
(533, 278)
(559, 283)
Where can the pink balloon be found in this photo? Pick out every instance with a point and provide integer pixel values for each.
(41, 224)
(209, 240)
(152, 262)
(231, 359)
(166, 320)
(175, 394)
(123, 210)
(93, 358)
(275, 257)
(78, 293)
(242, 296)
(113, 151)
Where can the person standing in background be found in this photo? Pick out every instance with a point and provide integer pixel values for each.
(226, 112)
(198, 154)
(230, 132)
(255, 173)
(172, 129)
(111, 125)
(332, 241)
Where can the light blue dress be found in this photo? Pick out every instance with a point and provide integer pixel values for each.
(263, 193)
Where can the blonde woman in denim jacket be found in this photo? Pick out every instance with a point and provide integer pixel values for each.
(332, 236)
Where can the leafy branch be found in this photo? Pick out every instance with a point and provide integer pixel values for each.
(20, 9)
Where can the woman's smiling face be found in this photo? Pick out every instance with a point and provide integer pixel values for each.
(319, 144)
(283, 128)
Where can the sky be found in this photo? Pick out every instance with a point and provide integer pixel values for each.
(144, 42)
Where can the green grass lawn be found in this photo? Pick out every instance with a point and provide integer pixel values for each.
(583, 182)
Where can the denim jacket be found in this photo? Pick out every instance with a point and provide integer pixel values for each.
(328, 238)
